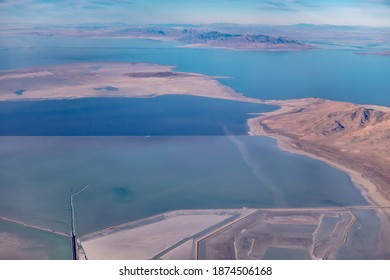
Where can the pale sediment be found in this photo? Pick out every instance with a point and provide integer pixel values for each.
(21, 241)
(164, 236)
(239, 234)
(110, 79)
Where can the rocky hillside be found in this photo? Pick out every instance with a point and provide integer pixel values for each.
(352, 120)
(353, 135)
(214, 36)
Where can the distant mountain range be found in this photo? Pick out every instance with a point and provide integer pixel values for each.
(211, 38)
(215, 36)
(234, 36)
(191, 36)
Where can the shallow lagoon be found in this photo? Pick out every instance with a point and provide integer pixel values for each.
(20, 242)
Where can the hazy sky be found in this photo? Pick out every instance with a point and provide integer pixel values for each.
(276, 12)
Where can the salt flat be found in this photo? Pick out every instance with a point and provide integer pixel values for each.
(312, 233)
(146, 241)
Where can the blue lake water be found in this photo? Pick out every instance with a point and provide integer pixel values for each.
(164, 115)
(134, 177)
(337, 75)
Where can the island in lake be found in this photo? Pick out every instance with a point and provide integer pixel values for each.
(109, 79)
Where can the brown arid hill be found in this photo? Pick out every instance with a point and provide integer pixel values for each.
(354, 138)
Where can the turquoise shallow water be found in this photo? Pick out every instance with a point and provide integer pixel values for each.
(19, 242)
(135, 177)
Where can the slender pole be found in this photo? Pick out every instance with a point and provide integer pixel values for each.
(72, 221)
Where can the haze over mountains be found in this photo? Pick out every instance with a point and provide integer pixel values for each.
(193, 36)
(235, 36)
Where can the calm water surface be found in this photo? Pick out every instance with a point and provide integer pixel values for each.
(19, 242)
(135, 177)
(337, 75)
(164, 115)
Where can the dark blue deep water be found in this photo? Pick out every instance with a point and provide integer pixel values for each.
(164, 115)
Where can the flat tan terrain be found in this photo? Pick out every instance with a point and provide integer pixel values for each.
(354, 138)
(109, 79)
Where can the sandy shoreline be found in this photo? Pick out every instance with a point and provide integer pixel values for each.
(367, 188)
(290, 144)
